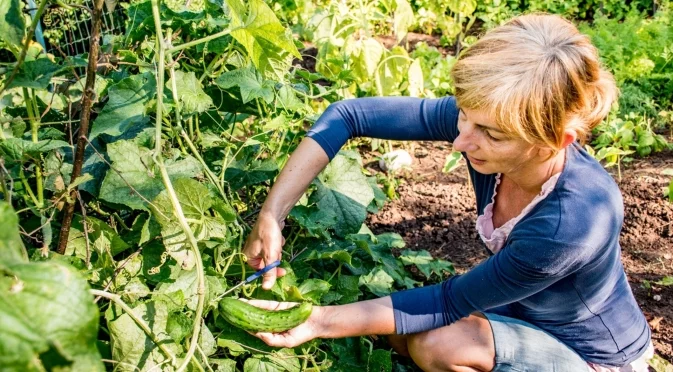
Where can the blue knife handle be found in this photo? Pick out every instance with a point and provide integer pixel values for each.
(262, 272)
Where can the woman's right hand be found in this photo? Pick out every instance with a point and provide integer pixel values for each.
(264, 246)
(265, 242)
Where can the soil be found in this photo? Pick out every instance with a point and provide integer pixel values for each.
(436, 212)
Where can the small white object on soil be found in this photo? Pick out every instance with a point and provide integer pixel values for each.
(657, 297)
(395, 160)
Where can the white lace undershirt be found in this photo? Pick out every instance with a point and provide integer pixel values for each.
(495, 239)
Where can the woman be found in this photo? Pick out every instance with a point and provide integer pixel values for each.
(554, 295)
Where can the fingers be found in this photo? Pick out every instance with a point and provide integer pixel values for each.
(271, 254)
(252, 250)
(276, 339)
(264, 246)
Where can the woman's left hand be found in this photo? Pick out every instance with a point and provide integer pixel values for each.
(298, 335)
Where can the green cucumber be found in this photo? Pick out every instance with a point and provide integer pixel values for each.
(254, 319)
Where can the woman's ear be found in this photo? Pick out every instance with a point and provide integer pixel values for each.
(569, 136)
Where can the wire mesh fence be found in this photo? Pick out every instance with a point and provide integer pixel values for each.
(67, 31)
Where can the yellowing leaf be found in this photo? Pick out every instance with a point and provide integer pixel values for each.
(365, 55)
(415, 78)
(403, 19)
(262, 35)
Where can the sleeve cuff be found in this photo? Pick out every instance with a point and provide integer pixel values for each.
(324, 143)
(419, 309)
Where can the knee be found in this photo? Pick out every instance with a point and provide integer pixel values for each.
(399, 344)
(462, 344)
(424, 348)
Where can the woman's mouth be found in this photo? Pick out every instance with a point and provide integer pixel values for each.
(475, 161)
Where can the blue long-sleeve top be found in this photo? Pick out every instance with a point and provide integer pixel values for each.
(560, 268)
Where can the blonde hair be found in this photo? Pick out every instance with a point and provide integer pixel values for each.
(538, 76)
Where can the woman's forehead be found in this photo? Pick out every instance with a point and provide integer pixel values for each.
(481, 117)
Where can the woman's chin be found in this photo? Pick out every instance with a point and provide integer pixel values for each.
(481, 167)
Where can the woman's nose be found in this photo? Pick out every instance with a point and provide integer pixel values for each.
(464, 143)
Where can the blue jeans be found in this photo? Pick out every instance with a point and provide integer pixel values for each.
(523, 347)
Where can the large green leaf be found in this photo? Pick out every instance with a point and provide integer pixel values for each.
(11, 246)
(315, 220)
(282, 361)
(223, 365)
(342, 188)
(426, 263)
(380, 361)
(126, 105)
(35, 74)
(18, 149)
(378, 282)
(190, 92)
(287, 99)
(48, 320)
(186, 282)
(345, 291)
(137, 168)
(242, 173)
(251, 84)
(380, 249)
(195, 201)
(12, 23)
(100, 237)
(309, 290)
(131, 346)
(263, 36)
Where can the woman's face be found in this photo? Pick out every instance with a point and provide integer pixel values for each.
(488, 148)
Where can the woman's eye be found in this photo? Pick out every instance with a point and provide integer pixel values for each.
(488, 134)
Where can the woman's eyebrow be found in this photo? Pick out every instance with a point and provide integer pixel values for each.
(495, 129)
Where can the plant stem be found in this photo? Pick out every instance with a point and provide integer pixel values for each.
(29, 190)
(26, 44)
(31, 107)
(198, 41)
(186, 137)
(141, 323)
(205, 359)
(87, 102)
(5, 191)
(197, 129)
(177, 208)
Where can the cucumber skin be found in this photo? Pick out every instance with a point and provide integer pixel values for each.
(254, 319)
